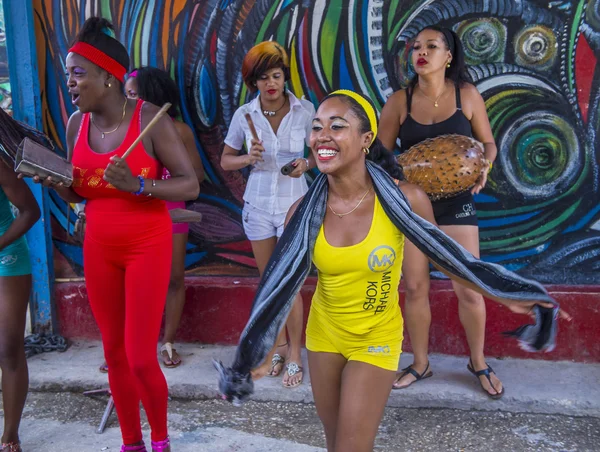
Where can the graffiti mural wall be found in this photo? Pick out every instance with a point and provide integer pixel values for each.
(534, 62)
(5, 97)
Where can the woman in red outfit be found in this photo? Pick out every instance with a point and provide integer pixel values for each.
(128, 243)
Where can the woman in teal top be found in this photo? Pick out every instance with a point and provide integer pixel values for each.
(15, 287)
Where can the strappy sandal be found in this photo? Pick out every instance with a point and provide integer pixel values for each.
(486, 372)
(292, 369)
(414, 373)
(103, 368)
(275, 361)
(161, 446)
(138, 448)
(168, 347)
(11, 447)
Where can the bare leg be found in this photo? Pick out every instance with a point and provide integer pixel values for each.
(175, 296)
(364, 393)
(471, 306)
(350, 399)
(417, 314)
(262, 250)
(294, 327)
(15, 292)
(326, 374)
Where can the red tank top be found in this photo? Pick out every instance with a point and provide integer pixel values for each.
(115, 217)
(89, 166)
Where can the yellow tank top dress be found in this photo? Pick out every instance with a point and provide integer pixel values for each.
(355, 310)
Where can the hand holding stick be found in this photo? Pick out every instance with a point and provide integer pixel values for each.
(255, 152)
(251, 125)
(151, 124)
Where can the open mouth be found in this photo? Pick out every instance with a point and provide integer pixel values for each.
(326, 153)
(74, 98)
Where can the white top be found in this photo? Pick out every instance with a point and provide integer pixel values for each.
(267, 189)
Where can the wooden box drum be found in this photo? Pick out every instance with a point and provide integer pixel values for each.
(185, 216)
(444, 166)
(34, 159)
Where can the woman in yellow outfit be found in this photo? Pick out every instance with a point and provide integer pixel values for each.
(354, 332)
(348, 224)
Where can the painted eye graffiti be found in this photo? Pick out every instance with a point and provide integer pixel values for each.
(533, 65)
(535, 47)
(484, 40)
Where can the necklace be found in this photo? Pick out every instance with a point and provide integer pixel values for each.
(274, 112)
(435, 102)
(356, 207)
(116, 128)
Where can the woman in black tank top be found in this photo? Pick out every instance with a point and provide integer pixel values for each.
(439, 101)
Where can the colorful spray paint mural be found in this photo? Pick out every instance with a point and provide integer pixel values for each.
(5, 97)
(534, 61)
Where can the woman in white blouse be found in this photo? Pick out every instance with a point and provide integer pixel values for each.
(283, 125)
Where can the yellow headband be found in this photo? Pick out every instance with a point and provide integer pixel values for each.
(366, 106)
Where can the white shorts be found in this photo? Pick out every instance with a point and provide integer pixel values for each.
(261, 225)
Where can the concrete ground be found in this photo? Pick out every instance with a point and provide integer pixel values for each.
(66, 422)
(548, 406)
(532, 386)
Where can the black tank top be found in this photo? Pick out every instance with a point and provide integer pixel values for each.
(413, 132)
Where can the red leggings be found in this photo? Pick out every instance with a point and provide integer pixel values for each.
(127, 265)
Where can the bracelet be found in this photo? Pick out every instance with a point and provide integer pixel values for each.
(153, 185)
(307, 164)
(141, 190)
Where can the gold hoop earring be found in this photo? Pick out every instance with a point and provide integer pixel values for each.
(366, 151)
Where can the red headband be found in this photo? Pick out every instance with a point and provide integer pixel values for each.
(99, 58)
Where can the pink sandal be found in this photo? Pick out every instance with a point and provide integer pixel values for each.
(11, 447)
(161, 446)
(138, 448)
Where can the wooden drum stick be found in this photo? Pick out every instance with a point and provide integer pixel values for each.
(151, 124)
(251, 125)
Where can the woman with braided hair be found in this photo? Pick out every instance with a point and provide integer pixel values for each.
(15, 278)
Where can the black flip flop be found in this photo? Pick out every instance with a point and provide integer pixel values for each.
(414, 373)
(486, 372)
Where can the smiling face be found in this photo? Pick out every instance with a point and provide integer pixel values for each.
(271, 84)
(131, 88)
(87, 83)
(430, 52)
(336, 139)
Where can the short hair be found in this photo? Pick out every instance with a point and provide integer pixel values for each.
(261, 58)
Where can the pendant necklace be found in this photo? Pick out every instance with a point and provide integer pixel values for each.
(435, 102)
(116, 128)
(274, 112)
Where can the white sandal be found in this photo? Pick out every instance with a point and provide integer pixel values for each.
(168, 347)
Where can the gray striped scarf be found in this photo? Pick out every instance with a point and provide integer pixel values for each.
(291, 262)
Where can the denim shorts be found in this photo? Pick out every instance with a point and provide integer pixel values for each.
(260, 224)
